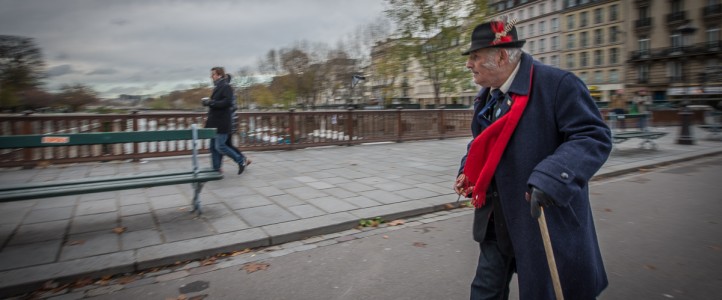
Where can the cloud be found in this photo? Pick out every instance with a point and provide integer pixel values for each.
(60, 70)
(173, 42)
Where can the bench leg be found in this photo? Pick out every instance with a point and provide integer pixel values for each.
(197, 187)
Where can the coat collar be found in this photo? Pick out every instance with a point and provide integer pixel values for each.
(520, 85)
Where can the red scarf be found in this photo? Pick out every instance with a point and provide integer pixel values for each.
(486, 149)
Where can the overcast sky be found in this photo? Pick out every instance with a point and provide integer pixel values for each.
(153, 46)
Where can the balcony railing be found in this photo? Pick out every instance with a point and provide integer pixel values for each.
(645, 23)
(676, 17)
(711, 11)
(711, 47)
(256, 131)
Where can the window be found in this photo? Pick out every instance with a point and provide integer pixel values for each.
(676, 41)
(583, 76)
(542, 9)
(713, 36)
(531, 46)
(643, 45)
(674, 71)
(643, 12)
(598, 58)
(613, 56)
(531, 30)
(583, 19)
(676, 6)
(613, 76)
(542, 45)
(598, 76)
(555, 43)
(598, 37)
(542, 27)
(613, 12)
(543, 60)
(570, 22)
(570, 41)
(570, 61)
(520, 32)
(584, 39)
(643, 73)
(555, 25)
(583, 60)
(531, 12)
(598, 18)
(613, 34)
(554, 61)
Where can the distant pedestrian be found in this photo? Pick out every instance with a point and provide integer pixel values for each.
(234, 121)
(537, 134)
(219, 117)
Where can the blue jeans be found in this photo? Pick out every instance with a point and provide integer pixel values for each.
(219, 147)
(493, 273)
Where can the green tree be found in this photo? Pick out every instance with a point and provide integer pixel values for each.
(433, 31)
(74, 97)
(21, 68)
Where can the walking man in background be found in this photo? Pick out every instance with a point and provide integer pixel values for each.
(219, 117)
(538, 139)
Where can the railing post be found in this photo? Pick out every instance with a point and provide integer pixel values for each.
(399, 125)
(349, 125)
(442, 124)
(136, 146)
(28, 129)
(291, 128)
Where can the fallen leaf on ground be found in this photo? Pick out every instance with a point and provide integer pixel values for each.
(253, 267)
(127, 279)
(650, 267)
(449, 206)
(209, 261)
(198, 297)
(608, 209)
(119, 229)
(386, 236)
(82, 282)
(244, 251)
(419, 244)
(397, 222)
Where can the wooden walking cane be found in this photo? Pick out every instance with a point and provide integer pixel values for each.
(550, 254)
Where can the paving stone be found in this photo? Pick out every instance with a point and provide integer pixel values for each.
(97, 222)
(48, 214)
(133, 199)
(96, 196)
(55, 202)
(172, 276)
(288, 183)
(305, 193)
(264, 215)
(168, 201)
(69, 296)
(137, 222)
(13, 215)
(339, 192)
(361, 201)
(286, 200)
(269, 191)
(158, 191)
(96, 207)
(383, 197)
(134, 209)
(90, 244)
(233, 192)
(222, 219)
(417, 193)
(331, 204)
(185, 229)
(242, 202)
(356, 187)
(104, 290)
(29, 254)
(305, 211)
(139, 239)
(39, 232)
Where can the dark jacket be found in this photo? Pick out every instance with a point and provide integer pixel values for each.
(219, 114)
(558, 145)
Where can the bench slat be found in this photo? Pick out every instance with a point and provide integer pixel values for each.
(103, 186)
(93, 138)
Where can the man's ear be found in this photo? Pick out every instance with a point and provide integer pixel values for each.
(503, 57)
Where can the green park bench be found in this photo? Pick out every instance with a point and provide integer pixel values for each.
(196, 176)
(640, 131)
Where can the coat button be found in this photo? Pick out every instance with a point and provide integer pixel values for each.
(565, 175)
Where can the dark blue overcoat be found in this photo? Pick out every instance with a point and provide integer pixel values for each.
(558, 145)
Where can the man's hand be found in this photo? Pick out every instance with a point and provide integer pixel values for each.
(538, 198)
(461, 186)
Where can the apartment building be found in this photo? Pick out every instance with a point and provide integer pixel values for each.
(675, 50)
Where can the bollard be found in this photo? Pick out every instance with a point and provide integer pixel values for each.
(685, 134)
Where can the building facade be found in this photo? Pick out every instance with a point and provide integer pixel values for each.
(675, 50)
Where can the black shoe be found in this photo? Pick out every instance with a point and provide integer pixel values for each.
(241, 168)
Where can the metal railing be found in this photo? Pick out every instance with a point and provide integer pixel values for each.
(255, 131)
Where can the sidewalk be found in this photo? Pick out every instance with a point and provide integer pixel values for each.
(283, 196)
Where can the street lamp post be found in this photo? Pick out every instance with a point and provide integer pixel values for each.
(685, 134)
(355, 79)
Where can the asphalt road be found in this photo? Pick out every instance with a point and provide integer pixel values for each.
(660, 233)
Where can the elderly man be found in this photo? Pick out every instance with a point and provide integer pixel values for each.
(538, 139)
